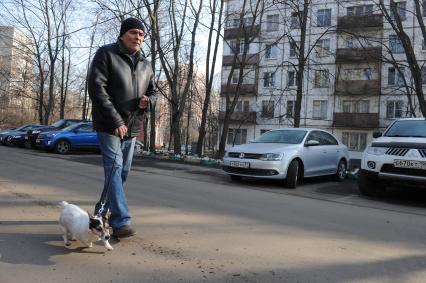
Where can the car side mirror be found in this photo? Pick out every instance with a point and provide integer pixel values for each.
(312, 143)
(377, 135)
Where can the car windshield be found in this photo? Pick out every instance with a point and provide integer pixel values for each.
(70, 127)
(407, 128)
(282, 136)
(58, 123)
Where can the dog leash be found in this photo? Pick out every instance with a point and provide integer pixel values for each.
(105, 193)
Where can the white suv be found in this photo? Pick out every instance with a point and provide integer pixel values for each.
(397, 156)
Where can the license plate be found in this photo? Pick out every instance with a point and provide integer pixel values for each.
(26, 137)
(240, 164)
(413, 164)
(38, 140)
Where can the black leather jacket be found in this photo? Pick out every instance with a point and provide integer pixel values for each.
(115, 86)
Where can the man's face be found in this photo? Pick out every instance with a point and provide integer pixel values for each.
(133, 39)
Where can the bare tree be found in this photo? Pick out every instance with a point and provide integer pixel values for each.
(393, 17)
(216, 11)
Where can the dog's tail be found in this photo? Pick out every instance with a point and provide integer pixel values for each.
(63, 204)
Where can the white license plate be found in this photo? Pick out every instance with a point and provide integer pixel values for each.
(38, 140)
(240, 164)
(26, 137)
(410, 164)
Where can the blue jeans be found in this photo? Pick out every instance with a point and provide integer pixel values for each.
(122, 151)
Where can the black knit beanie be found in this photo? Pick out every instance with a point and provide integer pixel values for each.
(129, 24)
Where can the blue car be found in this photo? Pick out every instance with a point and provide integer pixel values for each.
(79, 136)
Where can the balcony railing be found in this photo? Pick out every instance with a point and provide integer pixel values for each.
(249, 32)
(360, 22)
(356, 120)
(245, 89)
(357, 55)
(357, 87)
(251, 59)
(245, 117)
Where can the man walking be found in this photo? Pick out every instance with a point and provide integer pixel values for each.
(120, 84)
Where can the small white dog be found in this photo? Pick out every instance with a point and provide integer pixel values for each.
(77, 224)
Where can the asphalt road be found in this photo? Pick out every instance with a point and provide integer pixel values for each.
(195, 225)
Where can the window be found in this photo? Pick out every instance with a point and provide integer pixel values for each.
(359, 106)
(292, 78)
(241, 46)
(324, 18)
(424, 8)
(271, 51)
(358, 74)
(396, 77)
(290, 108)
(295, 20)
(401, 10)
(319, 110)
(361, 10)
(424, 75)
(395, 44)
(272, 22)
(321, 79)
(322, 47)
(262, 131)
(248, 21)
(234, 78)
(269, 79)
(394, 109)
(423, 45)
(268, 109)
(355, 141)
(357, 42)
(234, 23)
(242, 106)
(293, 49)
(237, 136)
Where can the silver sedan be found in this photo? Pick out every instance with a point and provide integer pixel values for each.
(289, 154)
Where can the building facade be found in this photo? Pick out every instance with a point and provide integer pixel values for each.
(17, 97)
(356, 79)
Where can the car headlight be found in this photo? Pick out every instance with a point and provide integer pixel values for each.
(36, 132)
(17, 137)
(376, 150)
(50, 135)
(271, 156)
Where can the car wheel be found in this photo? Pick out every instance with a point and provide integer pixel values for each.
(8, 141)
(341, 171)
(235, 178)
(292, 175)
(62, 147)
(369, 187)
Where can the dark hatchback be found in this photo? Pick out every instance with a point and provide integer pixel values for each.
(6, 136)
(32, 135)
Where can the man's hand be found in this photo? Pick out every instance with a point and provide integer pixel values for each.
(121, 132)
(143, 102)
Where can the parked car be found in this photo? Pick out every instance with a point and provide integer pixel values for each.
(289, 154)
(19, 139)
(79, 136)
(7, 135)
(398, 156)
(32, 135)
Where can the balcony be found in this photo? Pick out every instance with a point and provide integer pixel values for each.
(246, 32)
(240, 117)
(348, 23)
(357, 55)
(245, 89)
(356, 120)
(251, 59)
(357, 87)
